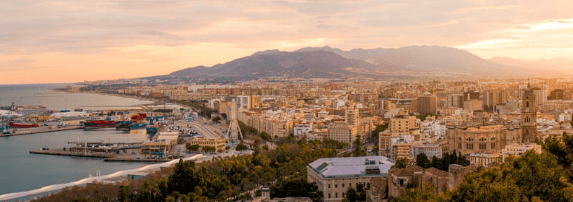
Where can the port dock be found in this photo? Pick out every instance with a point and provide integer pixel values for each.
(41, 129)
(109, 151)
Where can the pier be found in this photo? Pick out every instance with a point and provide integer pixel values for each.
(41, 129)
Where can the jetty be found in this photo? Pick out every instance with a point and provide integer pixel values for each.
(109, 151)
(41, 129)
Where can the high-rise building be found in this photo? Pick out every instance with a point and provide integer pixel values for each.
(384, 143)
(352, 116)
(455, 101)
(427, 104)
(528, 117)
(540, 95)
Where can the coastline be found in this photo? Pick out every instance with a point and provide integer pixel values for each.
(117, 176)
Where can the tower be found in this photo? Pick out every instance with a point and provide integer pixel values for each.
(234, 133)
(528, 117)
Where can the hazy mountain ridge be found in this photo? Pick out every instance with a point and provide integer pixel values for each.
(276, 63)
(328, 62)
(424, 59)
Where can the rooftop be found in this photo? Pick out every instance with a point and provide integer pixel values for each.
(352, 166)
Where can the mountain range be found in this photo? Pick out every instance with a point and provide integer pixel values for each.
(328, 62)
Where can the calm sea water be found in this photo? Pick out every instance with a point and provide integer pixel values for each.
(41, 94)
(22, 171)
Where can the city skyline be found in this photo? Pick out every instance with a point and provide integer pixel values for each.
(51, 42)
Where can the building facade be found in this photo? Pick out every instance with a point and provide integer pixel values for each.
(485, 138)
(334, 176)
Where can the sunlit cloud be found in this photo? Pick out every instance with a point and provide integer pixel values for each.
(553, 25)
(69, 41)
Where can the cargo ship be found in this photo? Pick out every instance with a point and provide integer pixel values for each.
(100, 124)
(137, 126)
(123, 125)
(22, 125)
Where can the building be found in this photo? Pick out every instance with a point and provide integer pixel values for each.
(400, 179)
(519, 149)
(473, 105)
(486, 159)
(352, 117)
(218, 143)
(244, 102)
(528, 116)
(384, 143)
(333, 176)
(556, 94)
(540, 95)
(430, 150)
(485, 138)
(402, 124)
(401, 149)
(427, 104)
(342, 132)
(494, 97)
(302, 129)
(455, 101)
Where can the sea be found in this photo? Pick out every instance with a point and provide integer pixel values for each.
(22, 171)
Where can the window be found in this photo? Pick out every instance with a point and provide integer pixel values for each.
(469, 146)
(335, 195)
(492, 145)
(328, 187)
(336, 186)
(350, 184)
(342, 186)
(328, 195)
(460, 145)
(482, 146)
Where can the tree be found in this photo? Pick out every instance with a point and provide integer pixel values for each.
(401, 163)
(351, 195)
(208, 149)
(266, 147)
(423, 161)
(358, 151)
(241, 147)
(184, 178)
(191, 147)
(224, 115)
(265, 136)
(376, 132)
(296, 187)
(216, 119)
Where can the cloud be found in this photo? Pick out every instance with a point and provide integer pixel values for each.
(136, 36)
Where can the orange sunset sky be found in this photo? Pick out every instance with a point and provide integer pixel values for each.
(72, 41)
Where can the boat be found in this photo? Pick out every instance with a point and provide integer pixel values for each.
(22, 125)
(137, 126)
(123, 125)
(152, 129)
(99, 124)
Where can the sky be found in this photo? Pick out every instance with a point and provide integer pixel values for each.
(71, 41)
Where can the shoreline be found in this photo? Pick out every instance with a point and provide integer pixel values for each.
(37, 193)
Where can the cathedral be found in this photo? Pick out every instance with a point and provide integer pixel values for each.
(528, 116)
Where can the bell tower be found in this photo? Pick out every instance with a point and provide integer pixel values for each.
(528, 116)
